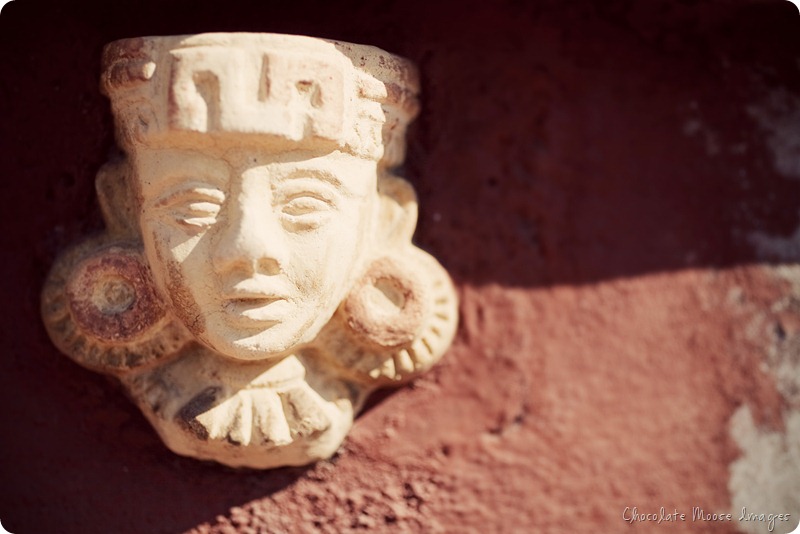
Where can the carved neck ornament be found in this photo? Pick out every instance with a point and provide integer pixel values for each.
(256, 279)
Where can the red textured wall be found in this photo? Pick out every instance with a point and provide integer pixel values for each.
(588, 172)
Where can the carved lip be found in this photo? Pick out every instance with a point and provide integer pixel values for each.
(258, 308)
(250, 296)
(258, 287)
(259, 299)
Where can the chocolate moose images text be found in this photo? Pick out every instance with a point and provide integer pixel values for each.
(632, 514)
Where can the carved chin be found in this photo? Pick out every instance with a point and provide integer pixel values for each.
(240, 339)
(267, 341)
(261, 345)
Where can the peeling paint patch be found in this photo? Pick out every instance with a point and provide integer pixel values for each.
(766, 479)
(779, 116)
(776, 247)
(695, 127)
(784, 363)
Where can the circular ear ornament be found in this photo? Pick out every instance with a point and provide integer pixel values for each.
(100, 307)
(388, 305)
(397, 321)
(111, 298)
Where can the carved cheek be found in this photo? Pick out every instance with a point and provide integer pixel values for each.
(326, 261)
(304, 268)
(154, 252)
(183, 302)
(191, 258)
(173, 262)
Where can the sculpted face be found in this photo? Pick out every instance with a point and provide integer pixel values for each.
(255, 250)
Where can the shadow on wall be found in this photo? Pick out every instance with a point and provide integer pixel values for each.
(558, 144)
(603, 147)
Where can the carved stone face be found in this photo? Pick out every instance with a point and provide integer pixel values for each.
(256, 212)
(255, 249)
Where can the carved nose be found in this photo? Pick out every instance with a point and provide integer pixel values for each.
(254, 242)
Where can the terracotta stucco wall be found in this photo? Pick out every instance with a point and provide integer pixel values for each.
(615, 189)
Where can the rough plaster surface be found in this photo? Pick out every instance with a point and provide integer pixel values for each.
(610, 293)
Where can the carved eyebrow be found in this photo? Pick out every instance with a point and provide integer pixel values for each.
(314, 174)
(192, 189)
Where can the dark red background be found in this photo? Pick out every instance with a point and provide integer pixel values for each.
(559, 184)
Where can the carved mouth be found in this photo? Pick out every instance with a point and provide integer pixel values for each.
(258, 301)
(255, 300)
(260, 309)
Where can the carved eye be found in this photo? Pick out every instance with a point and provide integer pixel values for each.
(194, 208)
(304, 205)
(305, 210)
(200, 214)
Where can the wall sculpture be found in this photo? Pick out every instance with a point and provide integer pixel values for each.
(256, 279)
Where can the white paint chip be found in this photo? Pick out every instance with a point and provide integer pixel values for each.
(779, 117)
(766, 478)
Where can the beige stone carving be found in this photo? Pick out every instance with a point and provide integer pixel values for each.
(256, 280)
